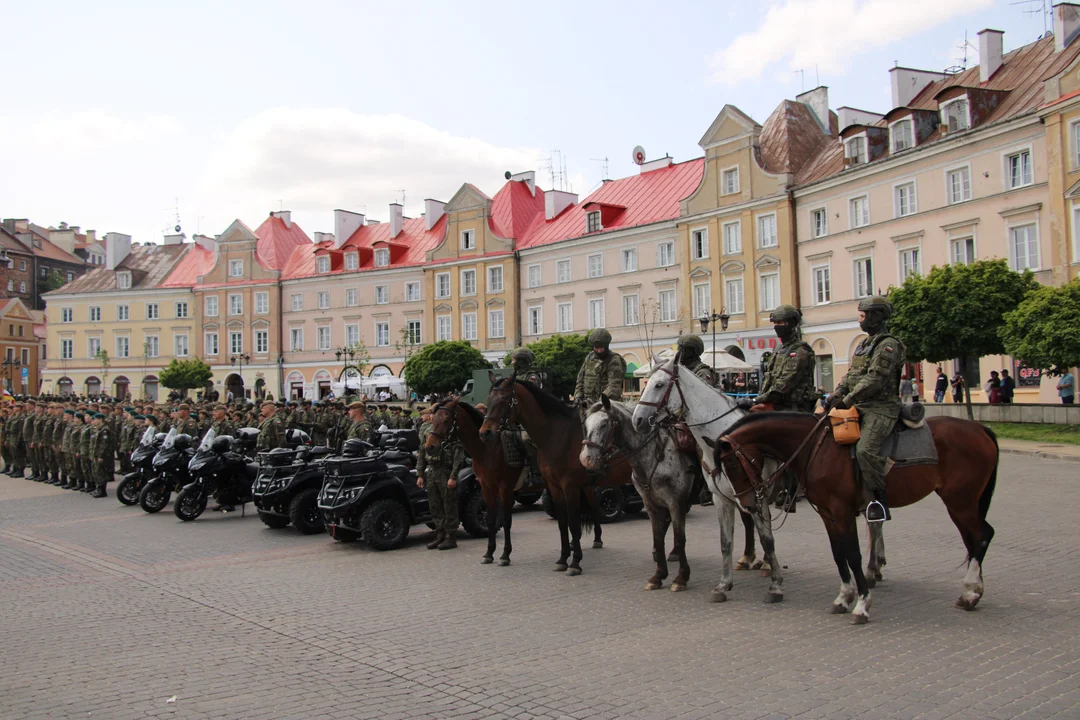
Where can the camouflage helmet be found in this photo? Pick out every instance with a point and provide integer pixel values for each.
(600, 337)
(524, 354)
(878, 303)
(691, 347)
(786, 314)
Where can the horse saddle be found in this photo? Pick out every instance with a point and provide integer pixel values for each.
(513, 447)
(907, 447)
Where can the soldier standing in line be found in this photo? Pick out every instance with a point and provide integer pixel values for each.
(5, 447)
(359, 426)
(220, 424)
(56, 460)
(70, 446)
(185, 423)
(271, 431)
(603, 372)
(102, 450)
(86, 464)
(437, 469)
(14, 433)
(319, 424)
(44, 441)
(30, 437)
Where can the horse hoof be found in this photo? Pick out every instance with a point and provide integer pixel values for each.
(773, 597)
(678, 587)
(653, 585)
(573, 571)
(765, 573)
(871, 582)
(859, 619)
(486, 560)
(741, 565)
(503, 562)
(967, 603)
(878, 576)
(598, 544)
(560, 567)
(838, 609)
(758, 565)
(717, 596)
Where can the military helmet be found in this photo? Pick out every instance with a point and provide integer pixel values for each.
(600, 337)
(523, 353)
(691, 346)
(879, 303)
(787, 314)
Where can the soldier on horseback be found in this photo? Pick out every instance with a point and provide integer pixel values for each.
(518, 447)
(521, 360)
(602, 372)
(690, 350)
(872, 385)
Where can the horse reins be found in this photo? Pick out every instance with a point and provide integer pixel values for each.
(453, 428)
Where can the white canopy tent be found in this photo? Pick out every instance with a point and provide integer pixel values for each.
(646, 369)
(719, 360)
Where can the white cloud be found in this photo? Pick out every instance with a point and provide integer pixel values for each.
(85, 132)
(828, 34)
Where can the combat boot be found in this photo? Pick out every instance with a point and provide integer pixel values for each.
(7, 469)
(435, 541)
(449, 543)
(99, 492)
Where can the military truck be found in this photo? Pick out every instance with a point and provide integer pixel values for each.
(476, 390)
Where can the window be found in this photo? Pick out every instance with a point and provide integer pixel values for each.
(592, 222)
(236, 304)
(864, 277)
(352, 297)
(495, 324)
(211, 305)
(297, 302)
(382, 257)
(819, 223)
(468, 240)
(324, 297)
(732, 238)
(534, 276)
(123, 347)
(322, 264)
(70, 276)
(958, 185)
(1023, 248)
(413, 332)
(67, 349)
(734, 290)
(596, 266)
(95, 314)
(123, 280)
(352, 335)
(442, 285)
(699, 244)
(702, 300)
(822, 285)
(495, 279)
(1018, 169)
(22, 266)
(902, 135)
(909, 263)
(731, 181)
(262, 342)
(25, 357)
(296, 339)
(536, 320)
(150, 346)
(596, 313)
(668, 309)
(766, 231)
(1075, 131)
(236, 343)
(631, 310)
(468, 282)
(322, 337)
(859, 208)
(123, 313)
(855, 150)
(151, 311)
(954, 115)
(236, 268)
(564, 317)
(904, 197)
(468, 326)
(412, 292)
(93, 347)
(181, 310)
(262, 303)
(442, 328)
(629, 260)
(562, 271)
(665, 254)
(180, 345)
(770, 291)
(352, 261)
(11, 285)
(210, 339)
(22, 286)
(66, 315)
(43, 272)
(963, 251)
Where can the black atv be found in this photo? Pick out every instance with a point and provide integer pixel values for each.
(615, 502)
(287, 488)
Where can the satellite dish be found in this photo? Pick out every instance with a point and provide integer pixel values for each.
(508, 175)
(639, 155)
(177, 228)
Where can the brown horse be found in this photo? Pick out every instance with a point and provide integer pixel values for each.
(964, 478)
(556, 431)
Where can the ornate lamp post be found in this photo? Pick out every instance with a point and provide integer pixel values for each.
(707, 318)
(237, 360)
(349, 353)
(10, 364)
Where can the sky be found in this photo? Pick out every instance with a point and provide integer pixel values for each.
(133, 117)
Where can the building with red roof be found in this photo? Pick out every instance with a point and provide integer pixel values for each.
(36, 263)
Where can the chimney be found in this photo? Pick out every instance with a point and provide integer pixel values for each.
(1066, 24)
(657, 164)
(528, 177)
(555, 201)
(117, 247)
(345, 224)
(91, 236)
(818, 101)
(205, 242)
(907, 83)
(395, 219)
(286, 217)
(853, 116)
(177, 239)
(990, 53)
(433, 211)
(321, 237)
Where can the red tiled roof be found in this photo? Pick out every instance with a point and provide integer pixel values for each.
(277, 242)
(514, 208)
(52, 252)
(198, 261)
(649, 197)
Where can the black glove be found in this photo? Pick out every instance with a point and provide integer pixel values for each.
(744, 403)
(836, 403)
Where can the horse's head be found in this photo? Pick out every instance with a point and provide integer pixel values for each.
(443, 423)
(501, 405)
(601, 433)
(657, 399)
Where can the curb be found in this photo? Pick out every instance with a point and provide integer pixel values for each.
(1040, 454)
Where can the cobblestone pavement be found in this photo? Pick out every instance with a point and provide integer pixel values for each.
(106, 612)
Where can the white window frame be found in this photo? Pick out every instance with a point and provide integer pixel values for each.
(382, 294)
(967, 113)
(236, 347)
(322, 299)
(702, 295)
(564, 310)
(439, 278)
(594, 265)
(181, 305)
(815, 290)
(239, 309)
(154, 345)
(153, 311)
(123, 280)
(628, 259)
(464, 285)
(699, 243)
(234, 266)
(177, 343)
(382, 257)
(126, 340)
(210, 306)
(1075, 205)
(732, 171)
(67, 348)
(495, 279)
(264, 337)
(597, 313)
(1074, 139)
(854, 221)
(535, 319)
(1006, 163)
(352, 334)
(631, 318)
(468, 239)
(892, 133)
(412, 292)
(897, 190)
(444, 328)
(1013, 258)
(858, 158)
(759, 222)
(816, 230)
(262, 303)
(94, 314)
(901, 266)
(470, 327)
(322, 264)
(560, 266)
(729, 247)
(296, 302)
(764, 304)
(412, 338)
(91, 342)
(668, 302)
(954, 258)
(496, 324)
(67, 315)
(352, 261)
(323, 337)
(735, 304)
(949, 199)
(593, 222)
(352, 297)
(296, 339)
(210, 343)
(535, 275)
(123, 313)
(857, 292)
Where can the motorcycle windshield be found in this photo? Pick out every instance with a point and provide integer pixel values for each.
(170, 440)
(203, 459)
(208, 440)
(148, 436)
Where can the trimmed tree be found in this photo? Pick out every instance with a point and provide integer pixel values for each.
(561, 356)
(184, 375)
(1044, 330)
(443, 366)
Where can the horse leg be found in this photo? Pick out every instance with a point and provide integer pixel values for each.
(493, 525)
(564, 537)
(746, 562)
(505, 511)
(573, 514)
(659, 521)
(678, 524)
(594, 508)
(976, 534)
(844, 601)
(877, 554)
(725, 513)
(861, 614)
(665, 522)
(763, 521)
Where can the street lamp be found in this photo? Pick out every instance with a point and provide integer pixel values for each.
(237, 360)
(705, 319)
(11, 363)
(349, 352)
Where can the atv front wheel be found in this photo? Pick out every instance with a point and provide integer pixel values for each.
(384, 525)
(475, 515)
(304, 512)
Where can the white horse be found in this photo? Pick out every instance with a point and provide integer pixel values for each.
(671, 391)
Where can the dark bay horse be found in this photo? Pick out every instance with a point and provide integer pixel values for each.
(556, 431)
(964, 479)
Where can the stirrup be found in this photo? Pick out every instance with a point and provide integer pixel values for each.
(876, 512)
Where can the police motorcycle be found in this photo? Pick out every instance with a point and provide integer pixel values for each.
(170, 468)
(287, 487)
(142, 460)
(216, 468)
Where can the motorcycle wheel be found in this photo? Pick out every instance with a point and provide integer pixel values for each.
(304, 512)
(612, 504)
(154, 497)
(190, 503)
(474, 515)
(127, 491)
(274, 521)
(384, 525)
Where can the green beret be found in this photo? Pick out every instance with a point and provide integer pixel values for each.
(80, 416)
(99, 416)
(140, 417)
(69, 411)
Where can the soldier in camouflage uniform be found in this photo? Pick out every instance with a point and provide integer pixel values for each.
(602, 372)
(45, 431)
(30, 438)
(788, 384)
(437, 469)
(271, 431)
(102, 450)
(14, 432)
(86, 464)
(359, 426)
(521, 360)
(690, 349)
(70, 445)
(219, 422)
(185, 423)
(5, 443)
(318, 423)
(60, 421)
(872, 385)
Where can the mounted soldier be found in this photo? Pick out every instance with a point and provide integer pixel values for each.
(690, 350)
(602, 373)
(788, 381)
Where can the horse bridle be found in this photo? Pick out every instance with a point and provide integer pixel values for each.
(453, 428)
(668, 418)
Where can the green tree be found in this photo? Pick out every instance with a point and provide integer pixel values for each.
(561, 356)
(443, 366)
(53, 281)
(185, 374)
(1044, 330)
(102, 357)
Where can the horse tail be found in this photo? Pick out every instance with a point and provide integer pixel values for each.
(589, 511)
(988, 491)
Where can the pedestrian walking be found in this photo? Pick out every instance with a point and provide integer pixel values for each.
(941, 385)
(1066, 388)
(906, 391)
(957, 384)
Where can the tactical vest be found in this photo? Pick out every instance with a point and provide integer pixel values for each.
(860, 366)
(804, 397)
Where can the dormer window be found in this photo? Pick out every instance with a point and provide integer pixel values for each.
(322, 264)
(468, 240)
(123, 280)
(592, 222)
(236, 268)
(902, 134)
(731, 181)
(954, 115)
(855, 150)
(382, 257)
(352, 261)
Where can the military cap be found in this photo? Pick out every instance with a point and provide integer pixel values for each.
(267, 402)
(877, 303)
(382, 406)
(306, 401)
(599, 337)
(99, 416)
(357, 406)
(395, 409)
(140, 417)
(69, 411)
(219, 406)
(80, 415)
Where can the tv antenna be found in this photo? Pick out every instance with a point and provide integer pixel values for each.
(603, 167)
(176, 218)
(555, 164)
(802, 79)
(1038, 7)
(963, 59)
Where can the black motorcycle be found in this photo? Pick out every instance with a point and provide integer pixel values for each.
(170, 468)
(142, 459)
(216, 469)
(287, 488)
